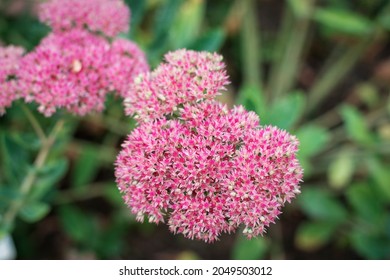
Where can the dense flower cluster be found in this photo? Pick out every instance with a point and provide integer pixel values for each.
(185, 77)
(74, 68)
(126, 61)
(109, 17)
(67, 71)
(209, 171)
(9, 84)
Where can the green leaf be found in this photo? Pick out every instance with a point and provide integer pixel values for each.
(312, 236)
(34, 211)
(370, 246)
(381, 175)
(343, 21)
(48, 177)
(163, 21)
(138, 9)
(187, 23)
(253, 249)
(356, 126)
(210, 41)
(366, 202)
(14, 160)
(312, 140)
(113, 195)
(369, 94)
(77, 224)
(301, 8)
(285, 112)
(319, 204)
(252, 98)
(86, 167)
(341, 169)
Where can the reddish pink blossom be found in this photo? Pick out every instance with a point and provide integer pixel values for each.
(109, 17)
(67, 70)
(9, 85)
(209, 171)
(185, 77)
(126, 61)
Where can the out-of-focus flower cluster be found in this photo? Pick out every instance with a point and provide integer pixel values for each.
(76, 66)
(9, 84)
(196, 165)
(109, 17)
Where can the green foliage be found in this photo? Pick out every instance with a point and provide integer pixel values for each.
(343, 21)
(341, 169)
(345, 197)
(253, 249)
(356, 126)
(319, 204)
(312, 236)
(286, 112)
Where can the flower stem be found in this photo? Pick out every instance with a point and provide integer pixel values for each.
(29, 180)
(251, 49)
(292, 42)
(34, 122)
(332, 75)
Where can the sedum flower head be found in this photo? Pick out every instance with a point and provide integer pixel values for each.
(185, 77)
(109, 17)
(126, 61)
(9, 85)
(67, 71)
(209, 171)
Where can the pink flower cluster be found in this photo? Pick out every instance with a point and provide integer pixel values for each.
(109, 17)
(67, 71)
(9, 84)
(185, 77)
(208, 171)
(73, 68)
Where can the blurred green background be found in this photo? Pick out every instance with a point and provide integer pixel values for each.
(319, 69)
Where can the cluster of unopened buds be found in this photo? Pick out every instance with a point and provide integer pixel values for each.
(196, 165)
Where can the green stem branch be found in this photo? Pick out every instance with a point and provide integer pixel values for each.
(29, 180)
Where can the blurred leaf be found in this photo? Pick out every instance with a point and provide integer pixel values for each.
(210, 41)
(312, 139)
(137, 11)
(368, 93)
(253, 249)
(355, 125)
(319, 204)
(187, 23)
(77, 224)
(312, 236)
(86, 167)
(48, 177)
(113, 195)
(366, 202)
(285, 112)
(341, 169)
(343, 21)
(300, 8)
(14, 160)
(381, 175)
(34, 211)
(7, 195)
(370, 246)
(29, 142)
(252, 98)
(162, 23)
